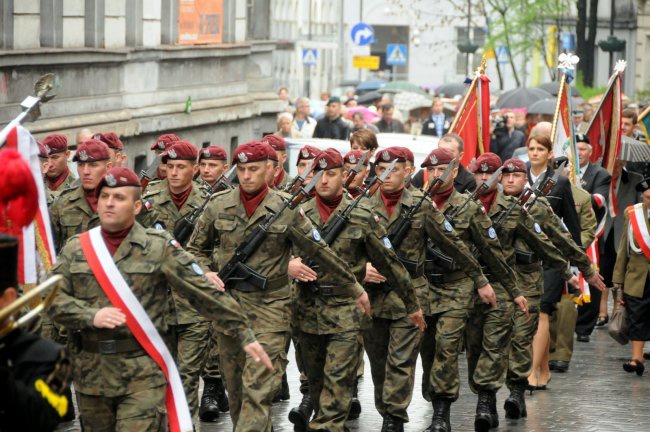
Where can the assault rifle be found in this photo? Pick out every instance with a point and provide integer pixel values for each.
(235, 271)
(354, 171)
(480, 190)
(300, 179)
(545, 188)
(148, 174)
(185, 226)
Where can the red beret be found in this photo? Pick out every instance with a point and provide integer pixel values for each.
(164, 141)
(55, 143)
(42, 151)
(180, 150)
(277, 142)
(118, 177)
(408, 154)
(90, 151)
(213, 153)
(487, 163)
(253, 151)
(270, 151)
(353, 157)
(110, 139)
(514, 165)
(308, 152)
(439, 156)
(328, 159)
(390, 154)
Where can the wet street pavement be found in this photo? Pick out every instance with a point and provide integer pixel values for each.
(594, 395)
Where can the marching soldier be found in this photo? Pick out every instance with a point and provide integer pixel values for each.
(279, 145)
(327, 318)
(213, 162)
(115, 147)
(58, 176)
(122, 373)
(165, 203)
(162, 143)
(452, 291)
(224, 225)
(391, 341)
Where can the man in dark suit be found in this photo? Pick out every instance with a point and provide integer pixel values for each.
(438, 123)
(464, 181)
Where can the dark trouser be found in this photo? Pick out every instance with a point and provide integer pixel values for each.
(588, 313)
(520, 358)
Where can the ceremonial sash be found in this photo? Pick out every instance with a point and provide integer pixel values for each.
(639, 228)
(119, 293)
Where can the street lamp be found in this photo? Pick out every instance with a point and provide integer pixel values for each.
(612, 44)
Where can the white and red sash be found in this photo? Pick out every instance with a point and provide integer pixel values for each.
(119, 293)
(639, 229)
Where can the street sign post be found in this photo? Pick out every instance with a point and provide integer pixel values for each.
(310, 56)
(396, 55)
(366, 62)
(362, 34)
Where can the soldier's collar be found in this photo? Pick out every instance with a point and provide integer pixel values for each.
(138, 235)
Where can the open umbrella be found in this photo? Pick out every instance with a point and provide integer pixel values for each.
(554, 88)
(370, 85)
(450, 90)
(407, 101)
(521, 97)
(368, 116)
(402, 86)
(544, 106)
(368, 98)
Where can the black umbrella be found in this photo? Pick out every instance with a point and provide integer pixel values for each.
(368, 98)
(450, 90)
(522, 97)
(544, 106)
(554, 88)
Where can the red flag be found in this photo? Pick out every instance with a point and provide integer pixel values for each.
(472, 121)
(562, 130)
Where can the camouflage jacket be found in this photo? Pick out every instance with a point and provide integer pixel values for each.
(160, 212)
(361, 240)
(474, 227)
(149, 260)
(71, 214)
(224, 225)
(586, 214)
(70, 182)
(427, 222)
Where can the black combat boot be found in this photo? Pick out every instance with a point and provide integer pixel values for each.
(515, 405)
(222, 397)
(440, 421)
(483, 419)
(283, 394)
(209, 410)
(493, 410)
(392, 424)
(355, 406)
(301, 414)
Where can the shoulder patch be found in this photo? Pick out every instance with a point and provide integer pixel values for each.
(447, 226)
(537, 228)
(301, 212)
(376, 218)
(492, 233)
(148, 205)
(173, 243)
(197, 269)
(159, 226)
(315, 234)
(387, 243)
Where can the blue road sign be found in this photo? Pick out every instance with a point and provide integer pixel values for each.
(362, 34)
(503, 57)
(396, 54)
(568, 41)
(310, 56)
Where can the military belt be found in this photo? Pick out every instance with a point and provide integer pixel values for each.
(330, 290)
(110, 346)
(271, 285)
(443, 278)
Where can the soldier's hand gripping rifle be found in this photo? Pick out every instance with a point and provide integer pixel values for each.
(236, 270)
(185, 226)
(300, 179)
(149, 173)
(354, 171)
(521, 200)
(480, 190)
(546, 187)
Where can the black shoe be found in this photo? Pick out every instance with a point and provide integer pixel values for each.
(582, 338)
(515, 405)
(483, 419)
(355, 409)
(301, 414)
(602, 321)
(493, 410)
(283, 394)
(637, 366)
(209, 409)
(392, 424)
(551, 364)
(558, 366)
(440, 421)
(222, 397)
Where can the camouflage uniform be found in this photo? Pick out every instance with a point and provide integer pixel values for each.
(221, 228)
(191, 332)
(69, 183)
(452, 294)
(124, 389)
(392, 342)
(71, 214)
(329, 321)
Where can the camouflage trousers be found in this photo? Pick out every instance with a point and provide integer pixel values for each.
(140, 411)
(191, 353)
(520, 358)
(211, 367)
(487, 341)
(562, 326)
(331, 363)
(392, 347)
(250, 385)
(442, 343)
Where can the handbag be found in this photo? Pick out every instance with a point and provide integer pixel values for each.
(619, 327)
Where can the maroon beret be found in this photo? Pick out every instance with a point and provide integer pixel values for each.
(390, 154)
(307, 152)
(180, 150)
(42, 151)
(253, 151)
(90, 151)
(353, 157)
(439, 156)
(514, 165)
(55, 143)
(328, 159)
(409, 154)
(270, 151)
(110, 139)
(118, 177)
(164, 141)
(277, 142)
(487, 163)
(213, 153)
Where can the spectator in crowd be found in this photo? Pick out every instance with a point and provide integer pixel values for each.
(332, 125)
(587, 112)
(629, 121)
(284, 125)
(351, 102)
(438, 123)
(505, 138)
(365, 140)
(388, 124)
(359, 122)
(283, 95)
(303, 124)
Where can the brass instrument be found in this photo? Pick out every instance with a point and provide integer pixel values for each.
(7, 312)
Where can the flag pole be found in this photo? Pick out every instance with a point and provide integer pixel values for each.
(557, 107)
(479, 72)
(463, 104)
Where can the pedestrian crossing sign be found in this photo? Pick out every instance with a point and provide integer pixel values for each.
(396, 54)
(310, 56)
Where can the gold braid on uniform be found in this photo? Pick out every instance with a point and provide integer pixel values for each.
(56, 384)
